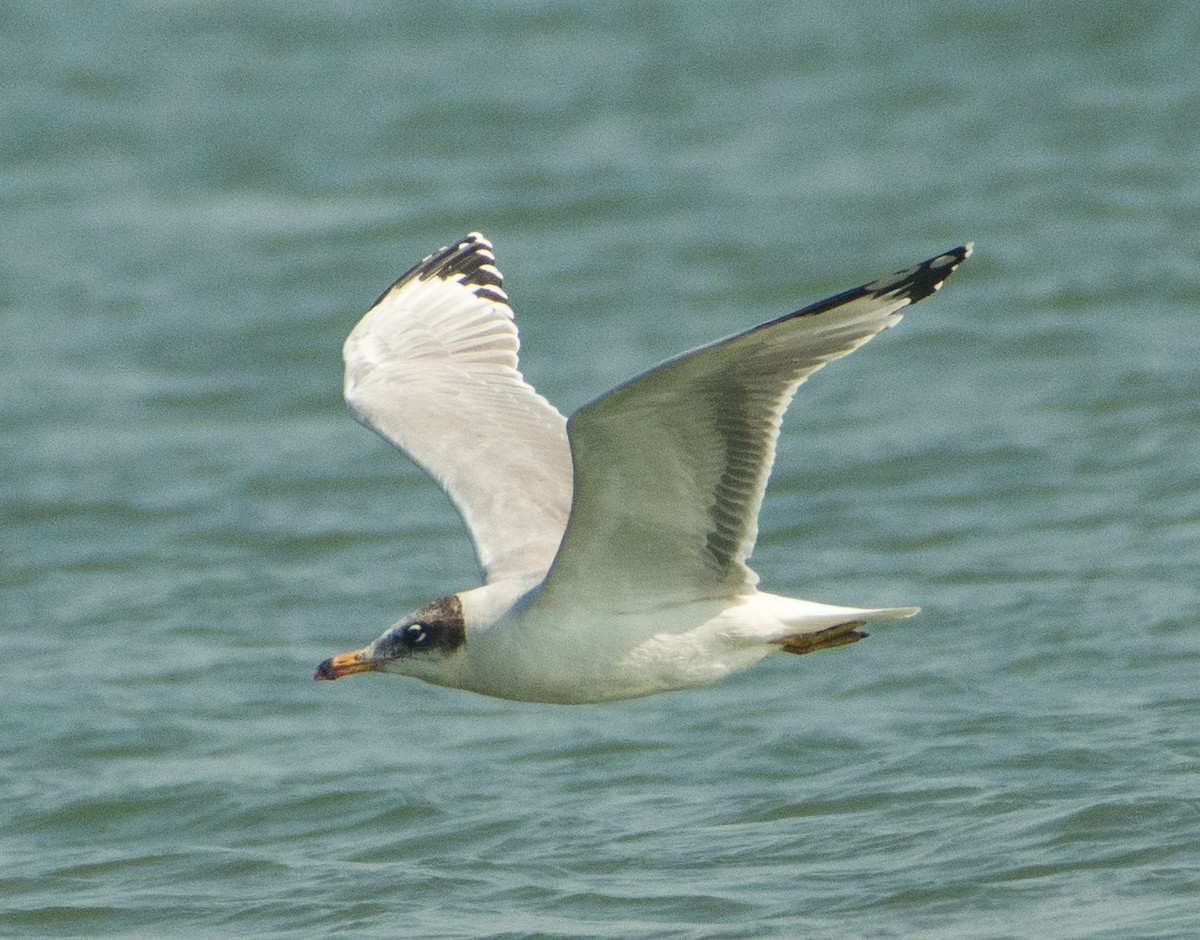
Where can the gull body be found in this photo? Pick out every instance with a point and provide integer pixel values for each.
(614, 545)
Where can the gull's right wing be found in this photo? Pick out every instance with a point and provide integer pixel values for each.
(432, 367)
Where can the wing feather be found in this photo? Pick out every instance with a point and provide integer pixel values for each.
(670, 468)
(433, 368)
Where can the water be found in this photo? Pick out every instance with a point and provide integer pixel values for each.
(198, 200)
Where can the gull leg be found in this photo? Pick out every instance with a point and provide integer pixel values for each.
(838, 635)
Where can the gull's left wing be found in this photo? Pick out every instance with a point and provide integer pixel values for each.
(670, 468)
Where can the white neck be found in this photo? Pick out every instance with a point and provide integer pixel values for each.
(483, 606)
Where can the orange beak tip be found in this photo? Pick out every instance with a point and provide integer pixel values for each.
(344, 664)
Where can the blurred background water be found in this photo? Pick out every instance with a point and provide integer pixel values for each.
(199, 199)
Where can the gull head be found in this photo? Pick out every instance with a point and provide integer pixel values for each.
(426, 645)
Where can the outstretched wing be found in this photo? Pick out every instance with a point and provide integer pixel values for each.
(670, 468)
(432, 367)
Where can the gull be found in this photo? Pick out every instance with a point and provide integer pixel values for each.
(614, 545)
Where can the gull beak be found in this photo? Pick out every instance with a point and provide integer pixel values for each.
(346, 664)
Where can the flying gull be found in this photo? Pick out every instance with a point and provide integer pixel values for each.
(614, 544)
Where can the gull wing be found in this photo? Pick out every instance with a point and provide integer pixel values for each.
(432, 367)
(670, 467)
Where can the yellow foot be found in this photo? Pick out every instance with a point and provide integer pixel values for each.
(838, 635)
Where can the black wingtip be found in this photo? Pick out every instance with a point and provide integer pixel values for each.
(910, 285)
(470, 261)
(917, 283)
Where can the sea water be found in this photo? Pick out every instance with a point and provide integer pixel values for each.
(197, 201)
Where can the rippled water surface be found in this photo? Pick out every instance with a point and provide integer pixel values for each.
(198, 201)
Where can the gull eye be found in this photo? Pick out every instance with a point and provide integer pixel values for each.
(415, 634)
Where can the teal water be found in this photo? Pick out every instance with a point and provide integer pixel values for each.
(197, 202)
